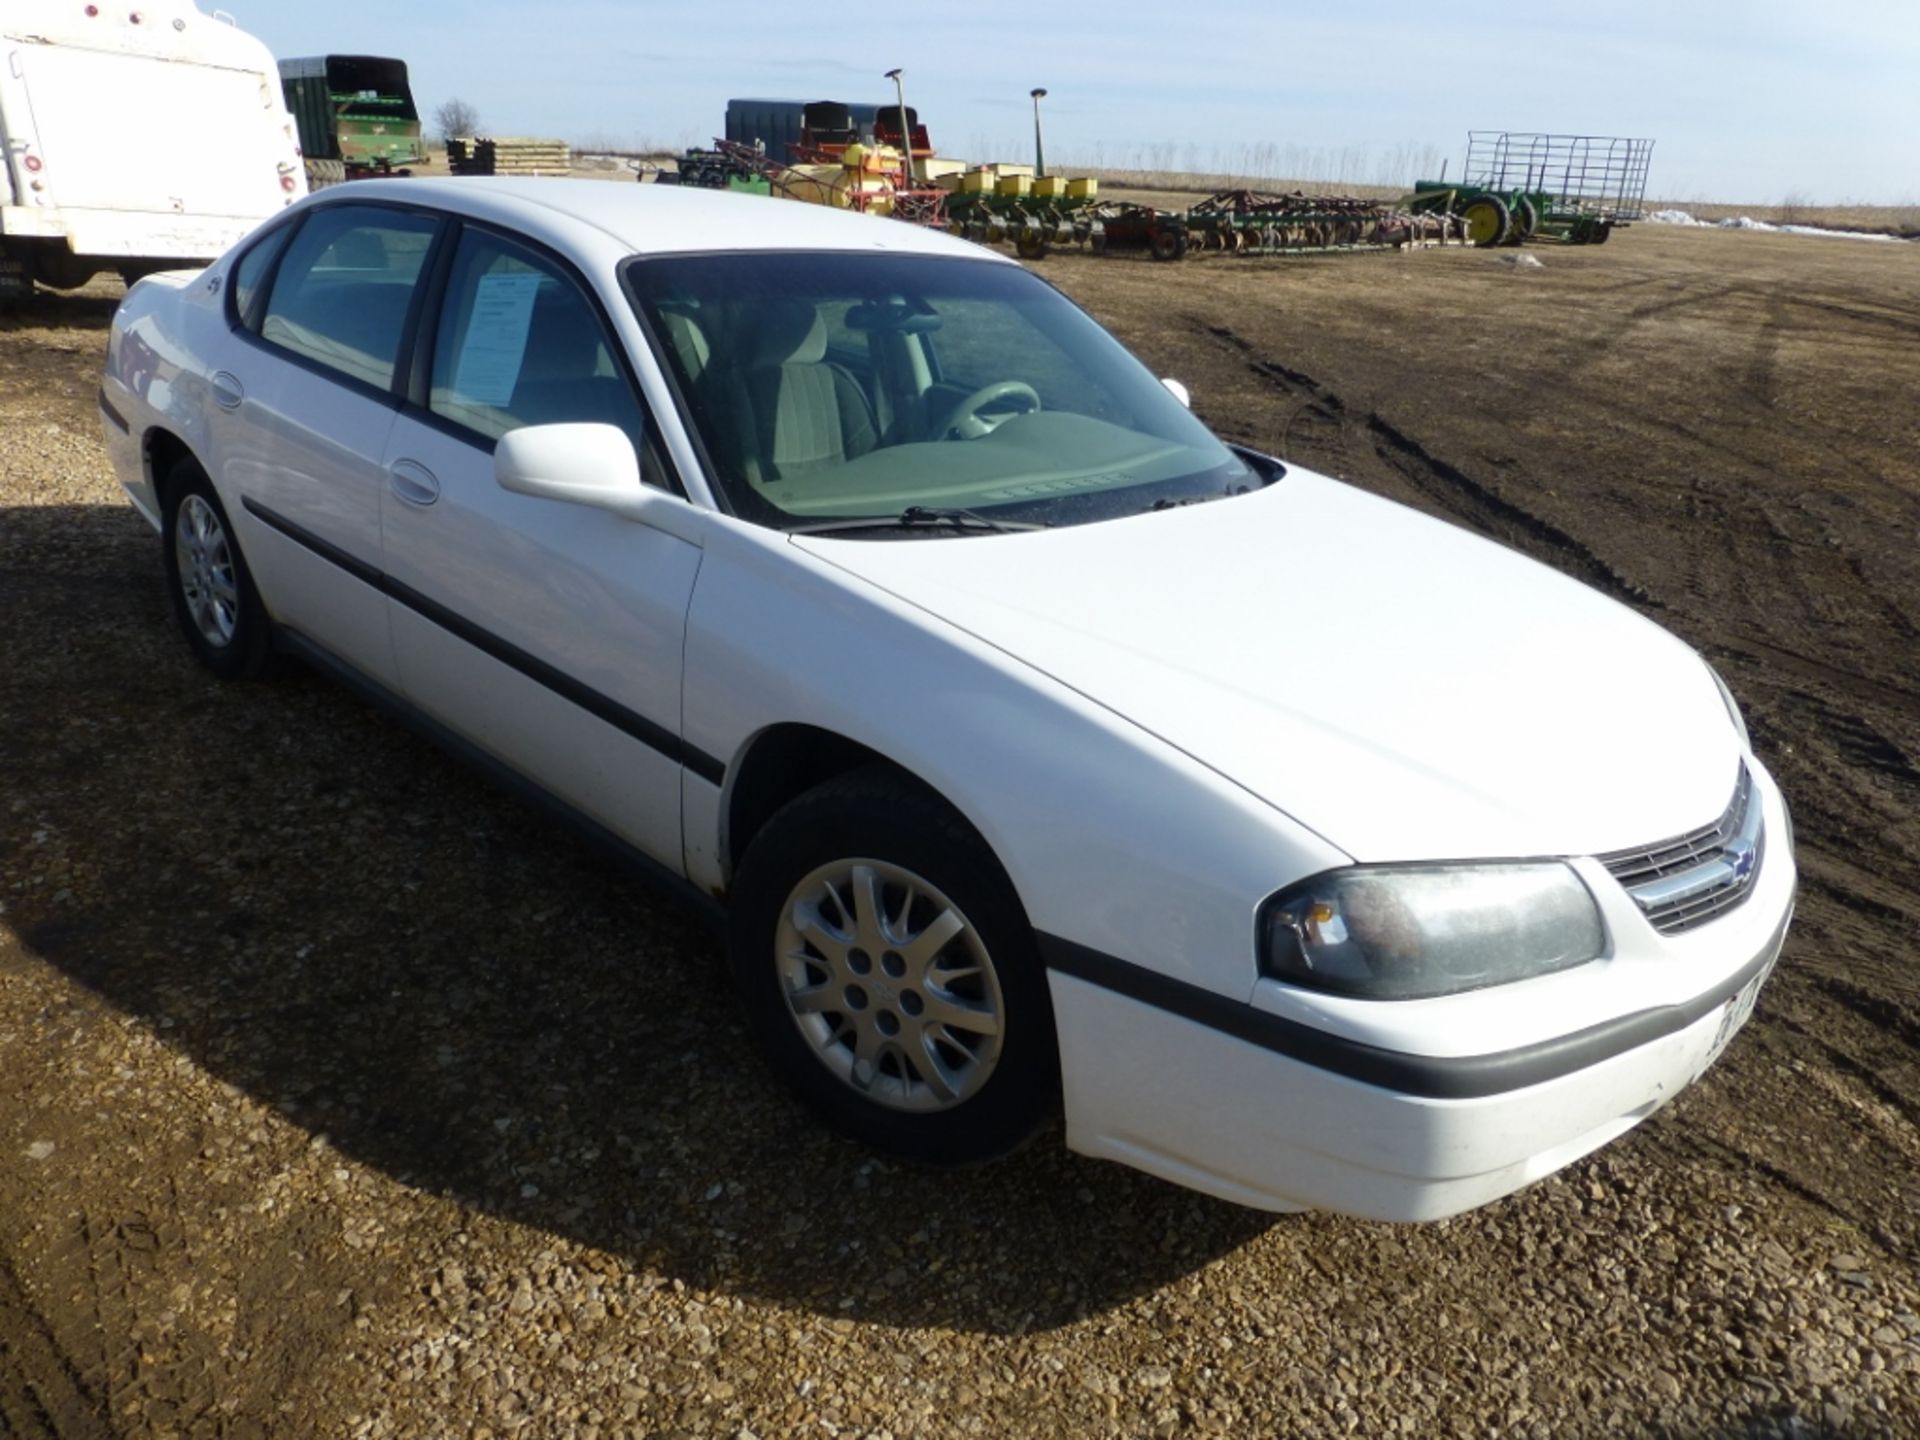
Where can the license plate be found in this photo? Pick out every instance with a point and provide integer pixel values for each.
(1737, 1012)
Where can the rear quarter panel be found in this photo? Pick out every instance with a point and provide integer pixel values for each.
(159, 353)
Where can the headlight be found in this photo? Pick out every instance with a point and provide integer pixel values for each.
(1733, 707)
(1405, 932)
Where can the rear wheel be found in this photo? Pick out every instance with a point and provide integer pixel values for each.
(1526, 220)
(1031, 243)
(322, 173)
(889, 975)
(1488, 220)
(1589, 230)
(1167, 243)
(16, 274)
(207, 579)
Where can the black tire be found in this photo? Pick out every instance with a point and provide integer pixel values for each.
(1488, 220)
(1031, 243)
(16, 274)
(1590, 230)
(1167, 242)
(1526, 219)
(247, 652)
(322, 173)
(875, 817)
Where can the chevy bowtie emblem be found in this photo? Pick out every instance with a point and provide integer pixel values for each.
(1740, 855)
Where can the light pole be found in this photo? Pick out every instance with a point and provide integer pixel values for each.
(1039, 154)
(906, 130)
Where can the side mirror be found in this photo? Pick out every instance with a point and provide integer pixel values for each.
(580, 464)
(1178, 391)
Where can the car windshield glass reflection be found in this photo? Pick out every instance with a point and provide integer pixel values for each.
(833, 386)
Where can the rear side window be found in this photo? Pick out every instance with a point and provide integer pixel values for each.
(519, 344)
(251, 270)
(342, 295)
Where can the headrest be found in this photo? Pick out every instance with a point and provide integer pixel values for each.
(689, 340)
(563, 338)
(787, 332)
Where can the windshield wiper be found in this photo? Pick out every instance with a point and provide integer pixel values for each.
(920, 517)
(1169, 502)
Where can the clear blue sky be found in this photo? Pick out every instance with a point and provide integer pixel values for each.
(1749, 100)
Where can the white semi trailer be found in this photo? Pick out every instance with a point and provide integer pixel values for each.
(138, 135)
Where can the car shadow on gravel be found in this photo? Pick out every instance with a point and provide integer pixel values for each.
(324, 911)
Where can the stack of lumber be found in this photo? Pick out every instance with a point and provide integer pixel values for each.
(500, 156)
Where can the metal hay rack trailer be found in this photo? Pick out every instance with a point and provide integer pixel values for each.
(1515, 186)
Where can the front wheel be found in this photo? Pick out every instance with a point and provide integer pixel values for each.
(889, 975)
(1488, 220)
(213, 595)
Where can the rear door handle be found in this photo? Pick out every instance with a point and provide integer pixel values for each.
(228, 392)
(413, 482)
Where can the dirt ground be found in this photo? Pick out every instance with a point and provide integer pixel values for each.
(342, 1096)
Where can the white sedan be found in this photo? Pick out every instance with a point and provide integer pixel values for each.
(1042, 750)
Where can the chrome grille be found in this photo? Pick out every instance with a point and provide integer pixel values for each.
(1682, 883)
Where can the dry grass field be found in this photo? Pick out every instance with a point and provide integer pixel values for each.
(341, 1096)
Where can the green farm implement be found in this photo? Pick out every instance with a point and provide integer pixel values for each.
(1034, 215)
(1514, 187)
(355, 115)
(1252, 222)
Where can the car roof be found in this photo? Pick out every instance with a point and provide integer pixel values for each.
(655, 219)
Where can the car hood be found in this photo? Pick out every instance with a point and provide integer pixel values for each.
(1403, 688)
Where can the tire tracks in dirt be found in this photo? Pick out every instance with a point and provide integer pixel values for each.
(44, 1395)
(1904, 323)
(1439, 480)
(113, 1355)
(152, 1367)
(1761, 379)
(1845, 1063)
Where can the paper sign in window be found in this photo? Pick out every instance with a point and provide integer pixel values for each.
(496, 342)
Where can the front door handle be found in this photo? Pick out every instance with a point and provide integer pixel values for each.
(228, 392)
(413, 482)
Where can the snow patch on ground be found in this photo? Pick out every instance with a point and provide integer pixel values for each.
(1745, 222)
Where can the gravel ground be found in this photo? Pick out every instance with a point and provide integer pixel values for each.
(341, 1096)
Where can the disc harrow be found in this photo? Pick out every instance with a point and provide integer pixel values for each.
(1255, 222)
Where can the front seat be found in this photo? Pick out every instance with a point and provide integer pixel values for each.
(792, 410)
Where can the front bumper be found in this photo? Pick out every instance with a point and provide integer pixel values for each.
(1245, 1105)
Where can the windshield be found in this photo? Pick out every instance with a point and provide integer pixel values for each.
(829, 386)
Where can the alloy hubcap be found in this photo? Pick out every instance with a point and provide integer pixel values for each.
(204, 560)
(891, 985)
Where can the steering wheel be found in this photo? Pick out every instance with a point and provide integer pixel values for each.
(963, 421)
